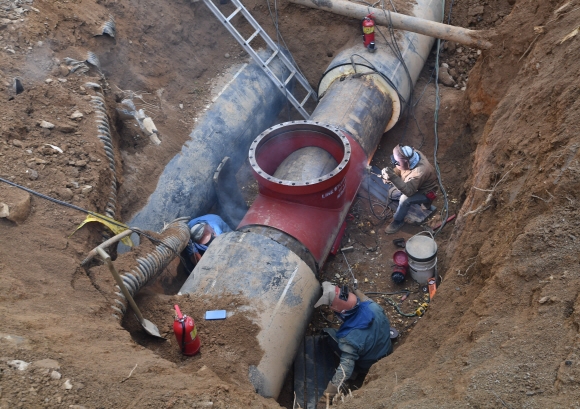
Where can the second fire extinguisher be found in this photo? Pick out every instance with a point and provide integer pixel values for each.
(368, 26)
(186, 333)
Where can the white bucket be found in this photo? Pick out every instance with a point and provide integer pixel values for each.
(422, 252)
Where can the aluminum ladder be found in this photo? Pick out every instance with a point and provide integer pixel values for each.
(276, 52)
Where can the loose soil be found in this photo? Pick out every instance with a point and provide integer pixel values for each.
(502, 330)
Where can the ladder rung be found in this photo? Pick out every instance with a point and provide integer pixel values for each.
(306, 98)
(269, 60)
(276, 52)
(249, 40)
(236, 11)
(289, 77)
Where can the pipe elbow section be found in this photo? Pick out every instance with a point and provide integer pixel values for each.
(279, 289)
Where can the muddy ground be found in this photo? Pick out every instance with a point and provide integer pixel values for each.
(503, 328)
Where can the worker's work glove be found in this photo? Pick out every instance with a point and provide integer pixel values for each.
(388, 174)
(331, 390)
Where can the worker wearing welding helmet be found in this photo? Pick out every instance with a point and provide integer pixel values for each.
(203, 230)
(415, 181)
(363, 337)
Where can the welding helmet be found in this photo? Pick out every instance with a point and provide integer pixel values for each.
(196, 231)
(338, 298)
(401, 156)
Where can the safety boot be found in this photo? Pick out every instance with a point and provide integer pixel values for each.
(394, 227)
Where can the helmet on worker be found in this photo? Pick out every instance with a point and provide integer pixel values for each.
(404, 157)
(201, 233)
(339, 299)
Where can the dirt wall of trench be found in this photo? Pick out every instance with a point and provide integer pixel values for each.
(504, 327)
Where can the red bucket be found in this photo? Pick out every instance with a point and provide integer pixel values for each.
(400, 258)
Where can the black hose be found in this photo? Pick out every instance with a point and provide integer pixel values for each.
(97, 215)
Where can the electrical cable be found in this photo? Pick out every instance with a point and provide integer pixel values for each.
(398, 308)
(397, 52)
(386, 213)
(97, 215)
(445, 209)
(374, 69)
(450, 10)
(280, 39)
(274, 18)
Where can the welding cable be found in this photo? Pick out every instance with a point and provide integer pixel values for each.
(97, 215)
(375, 70)
(397, 51)
(398, 308)
(386, 213)
(279, 39)
(445, 209)
(436, 118)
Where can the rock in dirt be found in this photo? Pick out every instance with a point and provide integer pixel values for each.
(18, 203)
(63, 70)
(46, 364)
(445, 78)
(67, 385)
(14, 340)
(66, 128)
(38, 161)
(17, 143)
(55, 375)
(18, 364)
(65, 193)
(76, 115)
(4, 210)
(46, 125)
(32, 174)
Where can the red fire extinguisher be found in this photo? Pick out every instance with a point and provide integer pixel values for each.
(368, 26)
(186, 333)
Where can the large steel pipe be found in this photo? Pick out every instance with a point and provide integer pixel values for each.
(245, 108)
(280, 290)
(308, 173)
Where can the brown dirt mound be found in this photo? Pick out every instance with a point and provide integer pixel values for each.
(228, 347)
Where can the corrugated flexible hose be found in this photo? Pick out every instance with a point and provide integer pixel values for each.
(175, 237)
(104, 135)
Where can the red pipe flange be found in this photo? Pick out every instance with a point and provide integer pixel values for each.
(311, 210)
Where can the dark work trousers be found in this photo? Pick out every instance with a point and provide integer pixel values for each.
(405, 203)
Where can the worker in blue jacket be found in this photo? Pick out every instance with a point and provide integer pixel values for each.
(362, 339)
(203, 230)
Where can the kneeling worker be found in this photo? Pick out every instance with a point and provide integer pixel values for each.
(362, 339)
(415, 179)
(203, 230)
